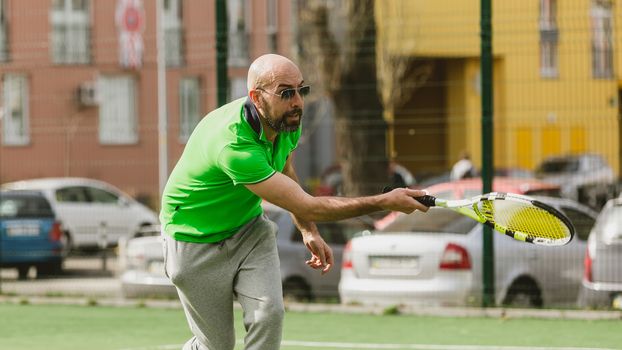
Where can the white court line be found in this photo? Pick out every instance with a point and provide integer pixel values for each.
(340, 345)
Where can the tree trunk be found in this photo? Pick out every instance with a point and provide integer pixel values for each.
(347, 67)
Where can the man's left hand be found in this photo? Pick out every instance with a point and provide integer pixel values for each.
(321, 253)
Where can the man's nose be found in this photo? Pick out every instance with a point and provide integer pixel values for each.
(297, 100)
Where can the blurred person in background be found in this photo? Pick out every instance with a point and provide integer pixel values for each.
(219, 246)
(399, 175)
(463, 168)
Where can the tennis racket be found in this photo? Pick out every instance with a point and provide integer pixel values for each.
(520, 217)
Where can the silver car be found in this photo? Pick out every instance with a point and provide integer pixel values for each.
(583, 177)
(142, 263)
(435, 258)
(602, 279)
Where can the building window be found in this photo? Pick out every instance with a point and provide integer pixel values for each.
(239, 25)
(237, 88)
(117, 110)
(15, 116)
(71, 33)
(189, 107)
(272, 25)
(602, 39)
(549, 35)
(4, 45)
(173, 33)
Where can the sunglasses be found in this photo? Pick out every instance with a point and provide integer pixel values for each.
(288, 94)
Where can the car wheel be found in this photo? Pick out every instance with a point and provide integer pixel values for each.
(296, 289)
(524, 292)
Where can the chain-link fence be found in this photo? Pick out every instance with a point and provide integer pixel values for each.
(396, 100)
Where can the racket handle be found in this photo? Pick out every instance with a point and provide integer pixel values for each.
(427, 200)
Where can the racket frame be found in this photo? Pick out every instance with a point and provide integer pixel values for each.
(469, 207)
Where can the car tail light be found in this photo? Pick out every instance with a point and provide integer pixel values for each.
(347, 256)
(55, 232)
(455, 257)
(587, 267)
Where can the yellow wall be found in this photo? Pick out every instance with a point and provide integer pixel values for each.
(569, 114)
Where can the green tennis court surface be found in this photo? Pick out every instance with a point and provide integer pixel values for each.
(50, 327)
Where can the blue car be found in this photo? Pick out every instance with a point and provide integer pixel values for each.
(30, 235)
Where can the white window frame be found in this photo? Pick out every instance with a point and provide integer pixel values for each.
(15, 112)
(71, 33)
(272, 24)
(118, 117)
(4, 44)
(238, 19)
(549, 56)
(189, 106)
(602, 38)
(173, 33)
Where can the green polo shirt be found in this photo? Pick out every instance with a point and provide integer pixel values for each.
(205, 200)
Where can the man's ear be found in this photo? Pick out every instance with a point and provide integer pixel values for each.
(254, 96)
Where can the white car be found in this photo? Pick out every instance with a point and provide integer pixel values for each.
(602, 280)
(93, 213)
(142, 263)
(435, 258)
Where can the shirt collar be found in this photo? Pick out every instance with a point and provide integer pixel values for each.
(252, 117)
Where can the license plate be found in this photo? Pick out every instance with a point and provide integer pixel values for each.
(395, 264)
(22, 230)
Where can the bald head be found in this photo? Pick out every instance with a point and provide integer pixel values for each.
(268, 69)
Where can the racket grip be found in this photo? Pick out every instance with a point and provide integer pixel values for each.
(427, 200)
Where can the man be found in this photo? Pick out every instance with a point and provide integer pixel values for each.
(463, 168)
(218, 245)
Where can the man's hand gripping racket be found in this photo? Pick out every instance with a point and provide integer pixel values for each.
(520, 217)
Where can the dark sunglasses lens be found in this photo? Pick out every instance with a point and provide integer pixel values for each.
(288, 93)
(304, 91)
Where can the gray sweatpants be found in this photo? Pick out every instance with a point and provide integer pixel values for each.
(209, 276)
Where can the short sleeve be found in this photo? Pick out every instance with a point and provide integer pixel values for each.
(246, 164)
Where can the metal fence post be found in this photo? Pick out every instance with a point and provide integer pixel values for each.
(488, 258)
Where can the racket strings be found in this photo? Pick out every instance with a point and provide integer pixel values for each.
(525, 218)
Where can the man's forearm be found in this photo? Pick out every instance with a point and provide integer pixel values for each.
(330, 208)
(339, 208)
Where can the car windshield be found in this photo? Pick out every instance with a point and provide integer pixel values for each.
(610, 224)
(559, 166)
(12, 206)
(436, 220)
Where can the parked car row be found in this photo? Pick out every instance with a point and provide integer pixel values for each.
(44, 219)
(429, 258)
(432, 258)
(93, 213)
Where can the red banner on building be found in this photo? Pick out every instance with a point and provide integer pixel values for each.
(130, 19)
